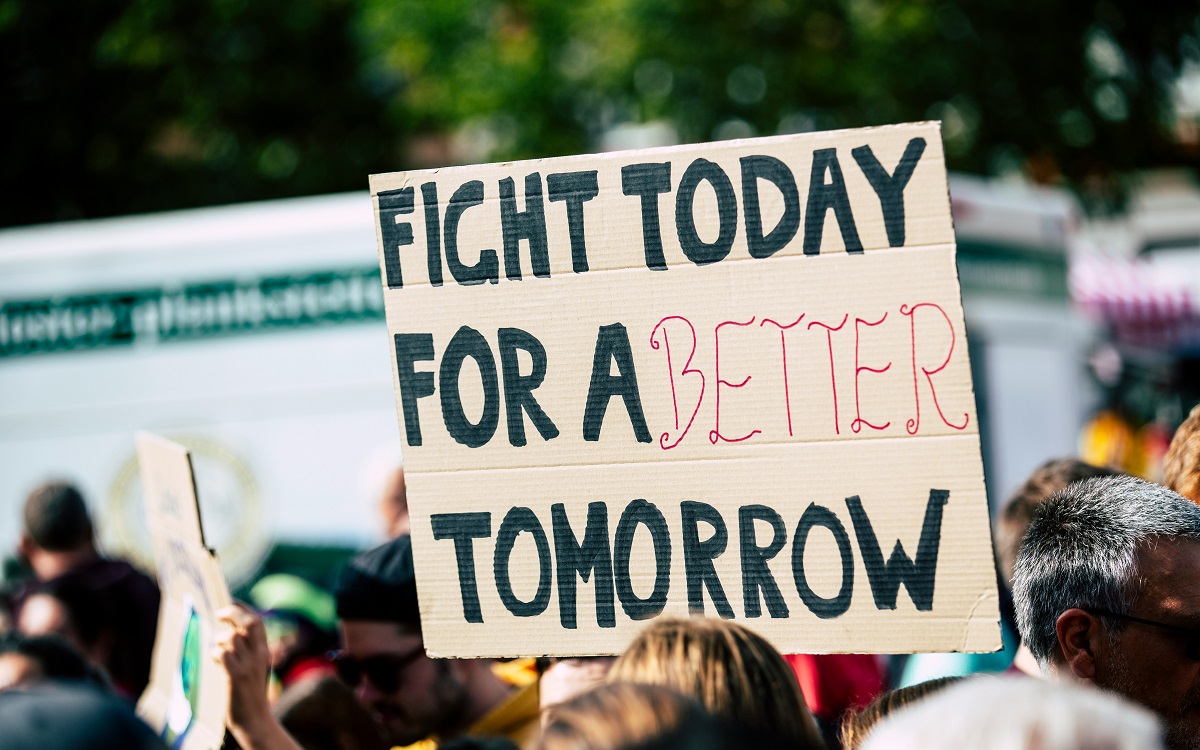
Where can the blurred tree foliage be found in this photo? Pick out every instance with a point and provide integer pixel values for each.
(119, 106)
(133, 105)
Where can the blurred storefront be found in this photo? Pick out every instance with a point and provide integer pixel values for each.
(1028, 344)
(252, 333)
(1138, 278)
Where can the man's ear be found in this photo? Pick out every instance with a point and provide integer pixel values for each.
(1079, 634)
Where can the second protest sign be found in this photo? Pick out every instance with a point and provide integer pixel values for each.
(728, 379)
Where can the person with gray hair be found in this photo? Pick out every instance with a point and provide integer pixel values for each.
(1036, 715)
(1107, 592)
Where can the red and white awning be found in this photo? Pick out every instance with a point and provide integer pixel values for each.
(1148, 301)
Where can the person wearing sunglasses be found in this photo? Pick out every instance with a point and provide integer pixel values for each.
(1107, 592)
(411, 697)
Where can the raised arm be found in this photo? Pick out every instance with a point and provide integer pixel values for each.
(241, 647)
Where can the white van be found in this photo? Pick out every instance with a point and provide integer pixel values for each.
(252, 333)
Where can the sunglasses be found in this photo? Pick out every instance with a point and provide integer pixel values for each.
(1192, 645)
(383, 671)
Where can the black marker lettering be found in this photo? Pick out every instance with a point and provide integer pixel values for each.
(464, 528)
(575, 189)
(698, 251)
(410, 349)
(819, 515)
(756, 576)
(395, 233)
(612, 344)
(529, 225)
(520, 520)
(823, 196)
(649, 181)
(890, 188)
(698, 557)
(648, 515)
(518, 388)
(488, 268)
(433, 233)
(468, 342)
(917, 576)
(755, 168)
(583, 559)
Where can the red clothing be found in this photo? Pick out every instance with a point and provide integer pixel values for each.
(307, 668)
(832, 683)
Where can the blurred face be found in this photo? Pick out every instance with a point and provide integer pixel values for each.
(1151, 665)
(409, 695)
(394, 506)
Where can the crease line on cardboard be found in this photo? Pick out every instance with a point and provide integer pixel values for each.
(748, 454)
(566, 273)
(971, 618)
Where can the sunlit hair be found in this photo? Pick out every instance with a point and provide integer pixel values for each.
(733, 672)
(1014, 518)
(619, 715)
(999, 713)
(1181, 467)
(1082, 551)
(857, 725)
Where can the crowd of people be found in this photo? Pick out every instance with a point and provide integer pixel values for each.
(1099, 574)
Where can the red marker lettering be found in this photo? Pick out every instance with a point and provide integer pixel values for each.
(858, 422)
(687, 370)
(715, 434)
(832, 373)
(787, 398)
(915, 424)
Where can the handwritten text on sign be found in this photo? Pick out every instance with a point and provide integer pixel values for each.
(728, 378)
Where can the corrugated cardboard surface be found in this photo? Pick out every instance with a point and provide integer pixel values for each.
(876, 403)
(191, 581)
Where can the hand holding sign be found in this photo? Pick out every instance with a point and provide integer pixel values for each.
(241, 649)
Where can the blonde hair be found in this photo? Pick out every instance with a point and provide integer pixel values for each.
(857, 725)
(1181, 466)
(733, 673)
(618, 715)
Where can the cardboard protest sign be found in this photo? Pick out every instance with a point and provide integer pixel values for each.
(727, 378)
(188, 695)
